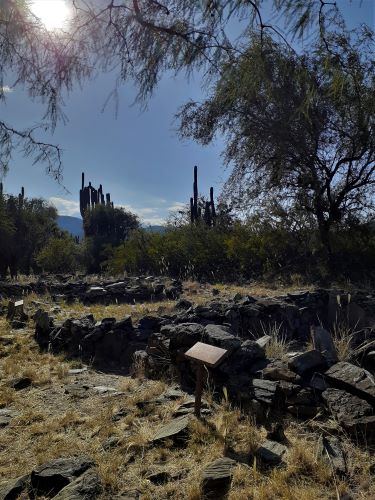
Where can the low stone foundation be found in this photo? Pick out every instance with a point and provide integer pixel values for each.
(305, 382)
(128, 290)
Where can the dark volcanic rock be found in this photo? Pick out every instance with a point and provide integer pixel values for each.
(150, 323)
(217, 478)
(182, 335)
(160, 477)
(278, 370)
(331, 451)
(266, 391)
(271, 452)
(346, 406)
(10, 490)
(220, 336)
(177, 430)
(6, 416)
(307, 362)
(85, 487)
(51, 477)
(20, 383)
(18, 325)
(323, 343)
(352, 378)
(248, 359)
(183, 304)
(353, 413)
(43, 326)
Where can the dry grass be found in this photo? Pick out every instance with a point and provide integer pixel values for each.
(278, 345)
(197, 291)
(342, 337)
(50, 423)
(136, 311)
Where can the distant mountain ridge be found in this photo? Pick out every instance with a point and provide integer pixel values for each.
(74, 226)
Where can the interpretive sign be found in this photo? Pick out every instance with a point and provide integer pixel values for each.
(204, 355)
(207, 354)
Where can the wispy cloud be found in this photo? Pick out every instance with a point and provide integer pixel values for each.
(6, 89)
(149, 215)
(154, 221)
(65, 207)
(177, 205)
(140, 211)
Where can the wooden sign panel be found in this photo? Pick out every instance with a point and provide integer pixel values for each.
(207, 354)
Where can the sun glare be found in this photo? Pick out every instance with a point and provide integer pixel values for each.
(52, 13)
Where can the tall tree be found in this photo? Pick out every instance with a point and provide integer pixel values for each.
(106, 227)
(299, 129)
(25, 227)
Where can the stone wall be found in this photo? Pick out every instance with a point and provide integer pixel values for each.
(128, 290)
(305, 382)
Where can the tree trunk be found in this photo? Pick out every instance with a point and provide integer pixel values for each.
(325, 238)
(324, 226)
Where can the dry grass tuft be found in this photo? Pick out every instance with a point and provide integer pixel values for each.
(342, 337)
(278, 345)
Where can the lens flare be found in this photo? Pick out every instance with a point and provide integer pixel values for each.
(52, 13)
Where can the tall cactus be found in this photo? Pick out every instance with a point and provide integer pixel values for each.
(209, 212)
(89, 197)
(212, 203)
(195, 192)
(21, 196)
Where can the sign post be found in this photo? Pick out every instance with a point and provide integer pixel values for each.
(204, 355)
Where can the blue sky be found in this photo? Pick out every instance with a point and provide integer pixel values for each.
(137, 156)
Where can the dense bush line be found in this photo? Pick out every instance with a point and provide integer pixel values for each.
(266, 246)
(246, 250)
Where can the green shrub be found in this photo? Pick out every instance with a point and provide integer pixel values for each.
(60, 255)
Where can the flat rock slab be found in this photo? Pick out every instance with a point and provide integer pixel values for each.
(174, 393)
(53, 476)
(263, 341)
(183, 334)
(220, 336)
(306, 362)
(77, 371)
(266, 391)
(217, 478)
(344, 405)
(323, 342)
(278, 370)
(104, 389)
(10, 490)
(331, 451)
(6, 416)
(85, 487)
(271, 452)
(353, 413)
(77, 390)
(353, 378)
(177, 429)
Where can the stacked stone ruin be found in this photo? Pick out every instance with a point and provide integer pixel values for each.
(306, 382)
